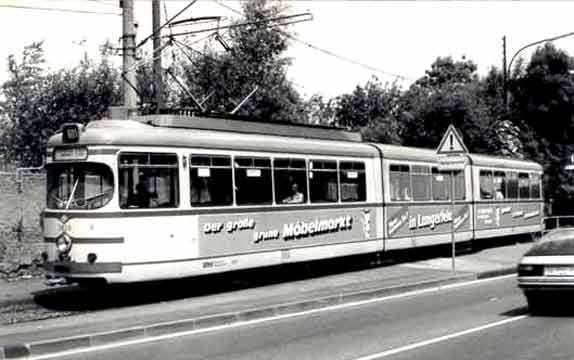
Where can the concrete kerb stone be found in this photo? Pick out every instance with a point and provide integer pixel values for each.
(497, 272)
(21, 351)
(13, 302)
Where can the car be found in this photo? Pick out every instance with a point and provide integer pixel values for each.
(547, 269)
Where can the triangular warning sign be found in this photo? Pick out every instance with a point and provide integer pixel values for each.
(451, 142)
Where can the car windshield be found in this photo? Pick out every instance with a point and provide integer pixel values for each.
(79, 186)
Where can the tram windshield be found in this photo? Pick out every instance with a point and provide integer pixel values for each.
(79, 186)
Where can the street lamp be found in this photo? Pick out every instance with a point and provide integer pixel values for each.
(506, 70)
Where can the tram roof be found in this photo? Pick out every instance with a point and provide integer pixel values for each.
(403, 153)
(146, 134)
(493, 161)
(247, 126)
(406, 153)
(232, 134)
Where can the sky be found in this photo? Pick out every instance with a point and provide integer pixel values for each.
(351, 40)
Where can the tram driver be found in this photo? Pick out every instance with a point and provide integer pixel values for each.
(296, 196)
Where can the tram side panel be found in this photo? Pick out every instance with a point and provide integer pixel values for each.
(293, 233)
(229, 238)
(508, 202)
(417, 207)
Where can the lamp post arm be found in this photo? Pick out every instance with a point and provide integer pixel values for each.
(532, 44)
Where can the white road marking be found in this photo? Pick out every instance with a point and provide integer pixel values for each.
(409, 347)
(263, 320)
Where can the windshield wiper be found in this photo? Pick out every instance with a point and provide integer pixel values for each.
(72, 194)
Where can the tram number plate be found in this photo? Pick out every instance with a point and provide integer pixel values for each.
(559, 270)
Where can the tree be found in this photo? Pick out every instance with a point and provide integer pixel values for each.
(252, 59)
(320, 111)
(445, 71)
(543, 105)
(372, 109)
(544, 95)
(23, 93)
(449, 93)
(37, 104)
(507, 132)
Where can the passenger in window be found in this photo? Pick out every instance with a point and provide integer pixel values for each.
(406, 195)
(200, 194)
(142, 197)
(296, 196)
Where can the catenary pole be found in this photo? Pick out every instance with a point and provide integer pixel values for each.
(157, 69)
(128, 45)
(504, 75)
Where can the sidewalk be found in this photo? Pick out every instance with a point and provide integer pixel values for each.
(137, 322)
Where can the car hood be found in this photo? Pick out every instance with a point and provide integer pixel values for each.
(556, 242)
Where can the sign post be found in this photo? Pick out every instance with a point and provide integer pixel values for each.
(453, 159)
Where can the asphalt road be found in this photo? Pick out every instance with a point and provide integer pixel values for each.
(484, 320)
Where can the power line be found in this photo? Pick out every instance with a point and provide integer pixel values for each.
(257, 22)
(56, 9)
(169, 51)
(166, 23)
(104, 2)
(227, 7)
(328, 52)
(344, 58)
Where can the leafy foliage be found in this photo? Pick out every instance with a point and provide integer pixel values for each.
(449, 93)
(252, 59)
(371, 108)
(543, 106)
(320, 111)
(37, 104)
(445, 71)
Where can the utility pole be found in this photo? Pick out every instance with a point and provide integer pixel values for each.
(157, 69)
(504, 74)
(129, 55)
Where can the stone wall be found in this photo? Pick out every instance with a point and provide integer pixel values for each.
(22, 197)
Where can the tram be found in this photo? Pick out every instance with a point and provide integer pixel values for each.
(169, 196)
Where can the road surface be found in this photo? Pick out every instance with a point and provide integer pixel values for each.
(485, 319)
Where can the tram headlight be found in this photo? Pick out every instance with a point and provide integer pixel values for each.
(64, 244)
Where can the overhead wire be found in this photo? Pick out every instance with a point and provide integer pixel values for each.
(104, 2)
(59, 9)
(167, 52)
(327, 52)
(344, 58)
(166, 23)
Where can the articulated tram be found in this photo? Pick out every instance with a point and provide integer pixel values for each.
(167, 196)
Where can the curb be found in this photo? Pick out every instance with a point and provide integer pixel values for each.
(24, 350)
(27, 300)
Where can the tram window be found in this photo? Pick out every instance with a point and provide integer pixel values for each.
(523, 186)
(290, 181)
(512, 185)
(499, 185)
(253, 181)
(440, 185)
(148, 180)
(535, 186)
(210, 180)
(421, 182)
(79, 186)
(486, 185)
(459, 186)
(323, 182)
(352, 177)
(400, 180)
